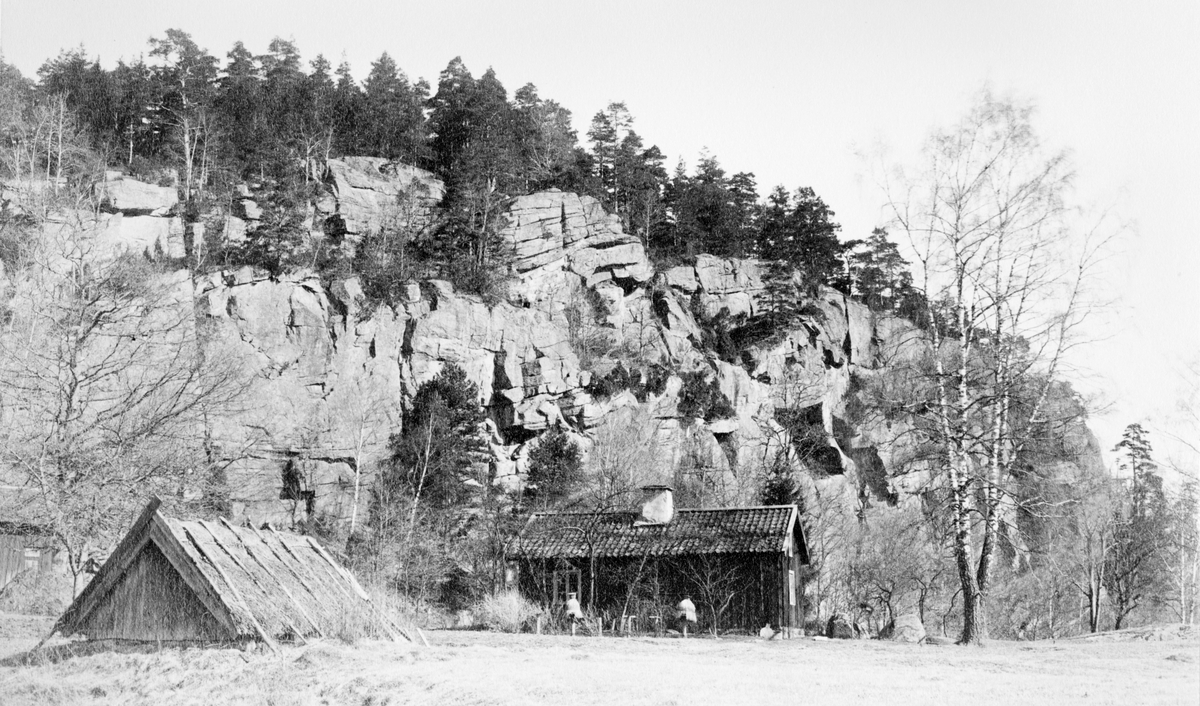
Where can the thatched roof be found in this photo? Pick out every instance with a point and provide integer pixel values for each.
(743, 530)
(256, 584)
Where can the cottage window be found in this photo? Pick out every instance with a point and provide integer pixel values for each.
(32, 559)
(566, 581)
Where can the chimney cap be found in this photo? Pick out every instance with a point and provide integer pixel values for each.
(658, 506)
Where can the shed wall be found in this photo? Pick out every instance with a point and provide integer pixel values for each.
(12, 554)
(151, 602)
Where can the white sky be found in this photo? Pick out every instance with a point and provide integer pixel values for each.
(789, 90)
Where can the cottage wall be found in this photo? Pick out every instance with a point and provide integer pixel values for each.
(650, 589)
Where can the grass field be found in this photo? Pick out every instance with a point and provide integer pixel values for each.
(487, 668)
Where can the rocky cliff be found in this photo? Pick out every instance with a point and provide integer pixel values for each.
(328, 376)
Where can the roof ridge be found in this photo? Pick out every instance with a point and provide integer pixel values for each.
(736, 507)
(557, 513)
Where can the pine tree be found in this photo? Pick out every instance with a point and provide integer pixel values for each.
(477, 149)
(187, 87)
(394, 123)
(1136, 571)
(240, 106)
(555, 469)
(547, 142)
(433, 454)
(349, 113)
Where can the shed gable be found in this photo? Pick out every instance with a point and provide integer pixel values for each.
(152, 602)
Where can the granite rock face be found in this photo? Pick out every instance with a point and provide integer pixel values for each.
(556, 235)
(368, 193)
(138, 218)
(319, 359)
(131, 196)
(329, 384)
(330, 378)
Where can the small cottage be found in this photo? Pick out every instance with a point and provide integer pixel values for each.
(741, 566)
(176, 581)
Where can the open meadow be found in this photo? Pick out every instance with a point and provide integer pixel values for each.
(1135, 667)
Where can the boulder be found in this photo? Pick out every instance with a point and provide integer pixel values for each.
(131, 196)
(370, 192)
(247, 209)
(555, 234)
(904, 628)
(840, 627)
(732, 286)
(154, 237)
(682, 278)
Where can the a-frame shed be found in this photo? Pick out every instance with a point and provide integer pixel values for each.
(210, 582)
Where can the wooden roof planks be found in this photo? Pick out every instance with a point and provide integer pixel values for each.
(202, 581)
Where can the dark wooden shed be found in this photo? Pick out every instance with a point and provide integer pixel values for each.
(25, 548)
(742, 567)
(176, 581)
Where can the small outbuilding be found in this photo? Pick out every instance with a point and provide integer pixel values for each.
(743, 567)
(25, 548)
(176, 581)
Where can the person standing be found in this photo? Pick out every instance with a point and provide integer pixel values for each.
(685, 614)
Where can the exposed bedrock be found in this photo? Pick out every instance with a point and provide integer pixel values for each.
(330, 379)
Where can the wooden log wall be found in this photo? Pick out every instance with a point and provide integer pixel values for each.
(649, 587)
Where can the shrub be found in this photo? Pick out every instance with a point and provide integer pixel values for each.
(652, 381)
(388, 612)
(505, 612)
(701, 398)
(616, 380)
(589, 339)
(36, 593)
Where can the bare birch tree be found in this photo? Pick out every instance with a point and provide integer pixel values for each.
(104, 381)
(1004, 270)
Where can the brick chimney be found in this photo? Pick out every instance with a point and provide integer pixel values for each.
(658, 506)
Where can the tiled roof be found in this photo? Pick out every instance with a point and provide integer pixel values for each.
(748, 530)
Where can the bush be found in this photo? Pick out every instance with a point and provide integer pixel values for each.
(36, 593)
(387, 613)
(505, 612)
(701, 398)
(584, 311)
(642, 383)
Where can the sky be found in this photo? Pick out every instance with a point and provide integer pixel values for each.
(794, 91)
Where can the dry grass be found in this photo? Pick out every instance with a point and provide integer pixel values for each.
(34, 593)
(505, 612)
(494, 668)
